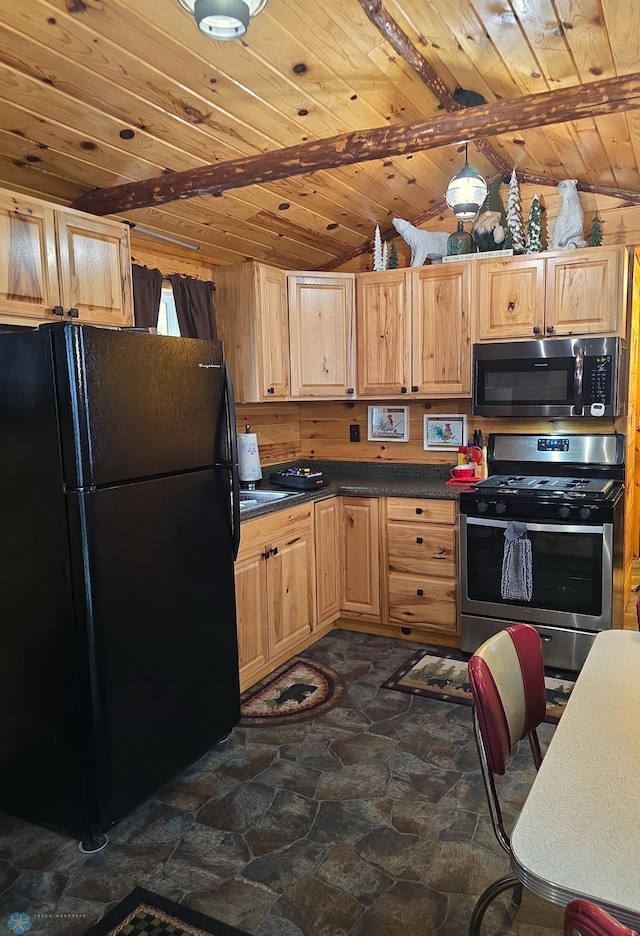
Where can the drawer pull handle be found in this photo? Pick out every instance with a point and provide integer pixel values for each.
(418, 510)
(419, 540)
(419, 592)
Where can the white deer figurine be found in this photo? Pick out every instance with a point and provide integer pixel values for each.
(567, 231)
(423, 243)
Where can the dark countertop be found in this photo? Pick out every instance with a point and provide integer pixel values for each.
(363, 479)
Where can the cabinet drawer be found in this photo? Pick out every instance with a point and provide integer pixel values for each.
(416, 601)
(423, 549)
(421, 508)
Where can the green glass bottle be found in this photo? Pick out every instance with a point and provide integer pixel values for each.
(460, 242)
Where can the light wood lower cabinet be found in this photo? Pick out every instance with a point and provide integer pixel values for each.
(421, 565)
(328, 559)
(361, 557)
(275, 590)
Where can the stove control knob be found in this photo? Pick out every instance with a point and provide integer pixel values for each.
(584, 513)
(481, 506)
(500, 507)
(564, 512)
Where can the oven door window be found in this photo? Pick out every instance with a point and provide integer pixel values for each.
(566, 566)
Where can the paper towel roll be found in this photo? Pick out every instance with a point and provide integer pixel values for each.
(249, 457)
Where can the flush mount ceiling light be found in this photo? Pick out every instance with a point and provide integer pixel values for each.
(223, 19)
(466, 192)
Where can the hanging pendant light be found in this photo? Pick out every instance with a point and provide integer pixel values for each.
(466, 192)
(223, 19)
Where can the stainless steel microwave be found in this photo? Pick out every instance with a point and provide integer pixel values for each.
(551, 378)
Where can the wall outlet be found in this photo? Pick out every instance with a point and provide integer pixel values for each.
(354, 432)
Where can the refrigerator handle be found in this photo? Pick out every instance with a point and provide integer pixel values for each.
(232, 443)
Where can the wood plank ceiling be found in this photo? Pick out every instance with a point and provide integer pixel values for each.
(100, 93)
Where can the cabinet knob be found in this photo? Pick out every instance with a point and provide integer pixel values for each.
(349, 389)
(403, 389)
(73, 313)
(415, 389)
(274, 551)
(550, 329)
(418, 510)
(419, 592)
(271, 390)
(265, 554)
(58, 310)
(419, 540)
(536, 329)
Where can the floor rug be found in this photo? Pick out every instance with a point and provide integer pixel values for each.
(296, 691)
(442, 674)
(143, 913)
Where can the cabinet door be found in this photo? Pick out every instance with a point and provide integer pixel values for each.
(586, 291)
(510, 298)
(440, 298)
(95, 269)
(383, 327)
(361, 555)
(291, 589)
(251, 616)
(273, 343)
(321, 334)
(28, 261)
(327, 533)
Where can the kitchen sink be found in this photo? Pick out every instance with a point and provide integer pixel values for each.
(259, 498)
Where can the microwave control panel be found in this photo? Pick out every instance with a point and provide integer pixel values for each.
(598, 380)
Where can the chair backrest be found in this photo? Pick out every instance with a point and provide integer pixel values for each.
(582, 918)
(638, 611)
(506, 675)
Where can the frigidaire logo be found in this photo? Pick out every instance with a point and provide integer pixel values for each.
(208, 365)
(19, 923)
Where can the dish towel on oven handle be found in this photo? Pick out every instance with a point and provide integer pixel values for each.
(517, 564)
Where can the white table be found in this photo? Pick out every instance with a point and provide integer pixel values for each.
(578, 834)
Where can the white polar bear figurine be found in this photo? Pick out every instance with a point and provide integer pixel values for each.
(567, 231)
(423, 243)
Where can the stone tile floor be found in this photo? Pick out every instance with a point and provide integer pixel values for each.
(371, 819)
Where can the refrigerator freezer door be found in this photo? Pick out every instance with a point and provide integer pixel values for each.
(134, 405)
(158, 610)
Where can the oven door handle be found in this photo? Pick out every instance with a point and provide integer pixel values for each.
(538, 527)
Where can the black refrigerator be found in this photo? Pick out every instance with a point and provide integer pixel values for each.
(120, 525)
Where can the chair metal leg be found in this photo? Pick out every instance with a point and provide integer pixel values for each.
(483, 901)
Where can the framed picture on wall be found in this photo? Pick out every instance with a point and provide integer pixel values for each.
(444, 432)
(388, 424)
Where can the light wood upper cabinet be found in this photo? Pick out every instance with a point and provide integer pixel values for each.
(321, 327)
(441, 346)
(569, 292)
(62, 264)
(251, 316)
(509, 298)
(586, 291)
(383, 328)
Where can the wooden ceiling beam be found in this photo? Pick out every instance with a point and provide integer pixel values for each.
(402, 44)
(607, 96)
(629, 198)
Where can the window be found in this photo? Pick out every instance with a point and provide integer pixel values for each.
(167, 317)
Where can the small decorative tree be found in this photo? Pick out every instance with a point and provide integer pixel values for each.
(514, 215)
(533, 243)
(595, 234)
(385, 256)
(394, 263)
(377, 250)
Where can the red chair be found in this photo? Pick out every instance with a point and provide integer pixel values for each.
(582, 918)
(506, 675)
(638, 611)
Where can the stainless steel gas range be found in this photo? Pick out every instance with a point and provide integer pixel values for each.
(541, 542)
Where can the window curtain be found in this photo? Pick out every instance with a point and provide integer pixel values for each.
(147, 290)
(194, 306)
